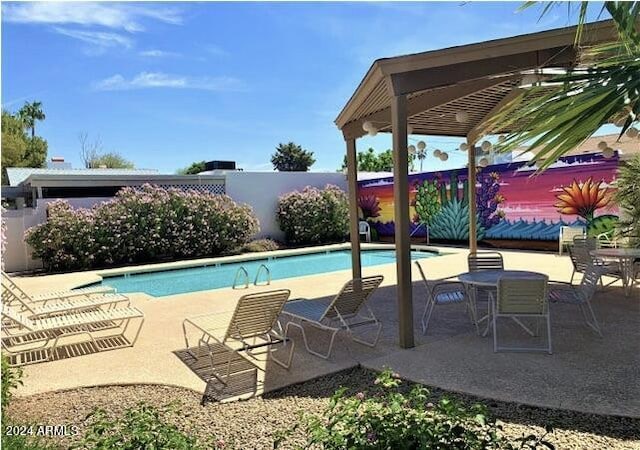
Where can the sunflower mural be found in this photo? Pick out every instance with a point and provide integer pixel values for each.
(584, 199)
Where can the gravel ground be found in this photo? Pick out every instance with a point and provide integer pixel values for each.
(253, 424)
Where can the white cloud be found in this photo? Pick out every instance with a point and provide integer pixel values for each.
(146, 80)
(155, 53)
(100, 39)
(126, 17)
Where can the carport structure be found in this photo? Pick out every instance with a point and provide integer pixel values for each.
(426, 91)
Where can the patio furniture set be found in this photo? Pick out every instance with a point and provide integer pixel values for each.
(524, 295)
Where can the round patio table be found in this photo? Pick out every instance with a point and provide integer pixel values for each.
(489, 278)
(626, 257)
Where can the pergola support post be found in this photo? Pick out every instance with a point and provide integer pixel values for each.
(354, 226)
(473, 235)
(401, 217)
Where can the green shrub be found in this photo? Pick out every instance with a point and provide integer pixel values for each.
(314, 216)
(142, 225)
(142, 427)
(11, 379)
(388, 418)
(261, 245)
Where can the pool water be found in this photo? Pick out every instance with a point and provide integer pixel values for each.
(180, 281)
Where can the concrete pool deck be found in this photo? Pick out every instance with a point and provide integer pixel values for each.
(586, 373)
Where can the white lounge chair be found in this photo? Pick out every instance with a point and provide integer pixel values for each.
(33, 340)
(567, 235)
(343, 312)
(518, 298)
(51, 304)
(443, 291)
(253, 324)
(60, 294)
(561, 292)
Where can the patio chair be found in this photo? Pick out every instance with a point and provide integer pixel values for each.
(518, 298)
(33, 340)
(580, 253)
(60, 294)
(365, 230)
(252, 325)
(566, 236)
(484, 261)
(51, 304)
(443, 291)
(561, 292)
(343, 312)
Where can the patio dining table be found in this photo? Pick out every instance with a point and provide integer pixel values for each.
(489, 279)
(626, 257)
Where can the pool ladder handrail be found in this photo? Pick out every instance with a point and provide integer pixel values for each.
(267, 271)
(241, 271)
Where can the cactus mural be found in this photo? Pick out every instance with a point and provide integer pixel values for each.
(511, 204)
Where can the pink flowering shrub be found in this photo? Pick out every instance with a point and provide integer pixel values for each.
(141, 226)
(314, 216)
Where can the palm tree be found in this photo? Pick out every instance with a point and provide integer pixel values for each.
(30, 113)
(604, 87)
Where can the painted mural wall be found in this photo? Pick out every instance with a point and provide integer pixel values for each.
(512, 203)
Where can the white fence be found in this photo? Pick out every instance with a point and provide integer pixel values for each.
(260, 190)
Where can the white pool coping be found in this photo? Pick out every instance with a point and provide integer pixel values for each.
(99, 275)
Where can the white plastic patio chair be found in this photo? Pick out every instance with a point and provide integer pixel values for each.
(518, 298)
(581, 295)
(344, 312)
(443, 291)
(365, 230)
(566, 236)
(33, 340)
(252, 325)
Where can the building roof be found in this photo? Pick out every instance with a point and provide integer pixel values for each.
(17, 175)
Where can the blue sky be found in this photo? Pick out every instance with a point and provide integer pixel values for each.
(166, 84)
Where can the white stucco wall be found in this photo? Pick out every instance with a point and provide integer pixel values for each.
(261, 190)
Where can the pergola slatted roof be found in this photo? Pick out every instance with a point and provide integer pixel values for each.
(426, 90)
(475, 78)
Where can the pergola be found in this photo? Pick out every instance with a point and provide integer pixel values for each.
(425, 91)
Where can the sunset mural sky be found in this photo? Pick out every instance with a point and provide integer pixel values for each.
(527, 196)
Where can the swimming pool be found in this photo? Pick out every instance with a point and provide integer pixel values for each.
(180, 281)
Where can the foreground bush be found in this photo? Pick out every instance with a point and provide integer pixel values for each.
(390, 419)
(141, 226)
(142, 427)
(314, 216)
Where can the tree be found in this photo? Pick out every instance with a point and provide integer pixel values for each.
(93, 157)
(111, 160)
(89, 150)
(370, 161)
(603, 87)
(291, 158)
(18, 149)
(194, 169)
(628, 197)
(30, 113)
